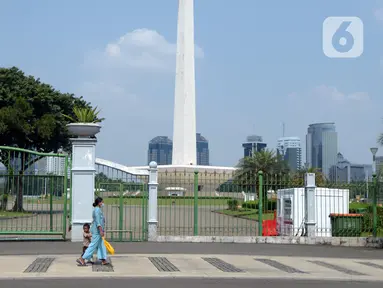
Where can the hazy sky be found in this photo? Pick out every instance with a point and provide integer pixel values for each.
(259, 63)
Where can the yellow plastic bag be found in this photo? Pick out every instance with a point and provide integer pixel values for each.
(108, 247)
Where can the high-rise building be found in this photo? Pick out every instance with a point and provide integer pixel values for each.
(161, 147)
(253, 144)
(48, 165)
(184, 127)
(160, 150)
(321, 147)
(202, 150)
(289, 148)
(345, 171)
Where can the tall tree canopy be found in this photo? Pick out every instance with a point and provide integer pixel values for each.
(31, 112)
(31, 117)
(298, 178)
(266, 160)
(380, 139)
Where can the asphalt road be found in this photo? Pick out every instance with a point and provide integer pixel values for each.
(53, 248)
(185, 283)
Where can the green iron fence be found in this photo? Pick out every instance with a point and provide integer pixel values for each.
(194, 203)
(223, 204)
(125, 210)
(342, 209)
(126, 200)
(33, 194)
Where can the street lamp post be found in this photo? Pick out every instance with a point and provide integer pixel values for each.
(374, 150)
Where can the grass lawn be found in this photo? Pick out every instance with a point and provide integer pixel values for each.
(250, 214)
(138, 201)
(369, 234)
(356, 205)
(10, 214)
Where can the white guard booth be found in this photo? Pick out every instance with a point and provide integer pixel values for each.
(291, 210)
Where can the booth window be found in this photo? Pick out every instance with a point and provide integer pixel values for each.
(287, 208)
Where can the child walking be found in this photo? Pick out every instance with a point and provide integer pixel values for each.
(87, 238)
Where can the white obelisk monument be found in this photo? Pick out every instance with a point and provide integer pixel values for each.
(184, 129)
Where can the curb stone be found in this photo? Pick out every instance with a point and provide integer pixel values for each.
(368, 242)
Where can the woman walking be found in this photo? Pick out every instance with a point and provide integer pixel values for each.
(97, 230)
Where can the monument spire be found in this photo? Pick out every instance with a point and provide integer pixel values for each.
(184, 127)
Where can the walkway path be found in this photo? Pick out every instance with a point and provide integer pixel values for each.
(194, 266)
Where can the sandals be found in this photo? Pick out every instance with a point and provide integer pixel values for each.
(83, 263)
(80, 263)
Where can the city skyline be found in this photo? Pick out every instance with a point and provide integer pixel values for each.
(289, 147)
(279, 74)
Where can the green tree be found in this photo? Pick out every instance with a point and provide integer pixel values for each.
(266, 161)
(298, 178)
(31, 117)
(380, 139)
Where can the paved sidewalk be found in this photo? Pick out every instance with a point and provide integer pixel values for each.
(184, 283)
(194, 266)
(38, 248)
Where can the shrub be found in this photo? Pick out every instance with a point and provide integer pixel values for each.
(233, 204)
(270, 205)
(253, 204)
(368, 219)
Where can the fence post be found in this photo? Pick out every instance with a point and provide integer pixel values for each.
(51, 204)
(121, 212)
(310, 204)
(152, 205)
(260, 202)
(196, 203)
(374, 207)
(65, 194)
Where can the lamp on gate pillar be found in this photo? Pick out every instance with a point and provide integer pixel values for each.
(83, 174)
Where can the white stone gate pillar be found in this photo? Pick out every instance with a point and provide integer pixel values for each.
(152, 205)
(310, 205)
(83, 177)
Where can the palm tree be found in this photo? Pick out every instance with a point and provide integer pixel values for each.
(380, 139)
(298, 178)
(266, 161)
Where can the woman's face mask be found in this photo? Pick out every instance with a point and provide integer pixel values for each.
(102, 205)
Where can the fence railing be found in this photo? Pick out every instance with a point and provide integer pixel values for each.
(219, 204)
(33, 194)
(35, 198)
(125, 209)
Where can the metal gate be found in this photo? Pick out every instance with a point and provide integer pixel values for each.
(125, 210)
(33, 195)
